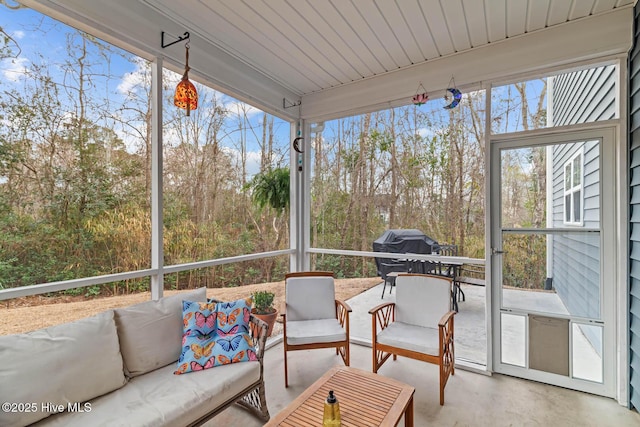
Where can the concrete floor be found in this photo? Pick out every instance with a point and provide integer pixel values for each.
(471, 399)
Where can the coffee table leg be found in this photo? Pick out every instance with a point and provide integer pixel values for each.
(408, 414)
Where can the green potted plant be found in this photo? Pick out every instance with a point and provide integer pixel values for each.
(263, 308)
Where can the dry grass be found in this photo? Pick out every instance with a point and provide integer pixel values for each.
(27, 314)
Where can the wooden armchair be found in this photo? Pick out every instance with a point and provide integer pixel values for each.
(312, 317)
(419, 325)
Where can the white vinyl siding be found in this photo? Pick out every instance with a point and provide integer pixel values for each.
(634, 213)
(579, 97)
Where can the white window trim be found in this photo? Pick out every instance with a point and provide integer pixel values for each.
(573, 189)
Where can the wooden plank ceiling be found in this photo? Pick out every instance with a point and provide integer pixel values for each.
(308, 46)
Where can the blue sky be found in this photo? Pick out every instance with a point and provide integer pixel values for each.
(42, 41)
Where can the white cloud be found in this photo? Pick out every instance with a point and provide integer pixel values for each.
(240, 108)
(131, 81)
(131, 142)
(171, 78)
(18, 34)
(426, 132)
(253, 160)
(13, 69)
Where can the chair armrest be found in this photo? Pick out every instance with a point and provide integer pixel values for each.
(446, 319)
(344, 305)
(382, 315)
(445, 339)
(258, 331)
(378, 307)
(342, 313)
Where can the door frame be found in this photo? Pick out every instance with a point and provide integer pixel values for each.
(606, 132)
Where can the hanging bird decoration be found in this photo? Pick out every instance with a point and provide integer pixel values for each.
(420, 97)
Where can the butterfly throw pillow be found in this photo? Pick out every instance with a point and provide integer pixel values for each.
(215, 334)
(233, 317)
(233, 341)
(198, 317)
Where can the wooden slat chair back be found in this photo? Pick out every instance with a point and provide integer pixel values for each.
(313, 317)
(419, 325)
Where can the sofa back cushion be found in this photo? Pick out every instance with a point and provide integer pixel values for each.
(69, 363)
(151, 332)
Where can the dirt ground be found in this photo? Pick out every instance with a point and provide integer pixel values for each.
(27, 314)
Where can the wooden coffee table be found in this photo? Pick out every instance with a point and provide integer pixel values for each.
(365, 399)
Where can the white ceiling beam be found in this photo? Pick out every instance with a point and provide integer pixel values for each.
(581, 40)
(135, 27)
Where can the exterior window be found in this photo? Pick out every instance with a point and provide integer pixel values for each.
(573, 190)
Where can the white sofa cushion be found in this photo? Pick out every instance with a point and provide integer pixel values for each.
(151, 332)
(69, 363)
(411, 337)
(314, 331)
(160, 398)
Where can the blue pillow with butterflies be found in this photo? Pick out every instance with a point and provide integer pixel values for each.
(198, 317)
(233, 317)
(206, 344)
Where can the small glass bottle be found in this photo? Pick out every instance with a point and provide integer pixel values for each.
(331, 417)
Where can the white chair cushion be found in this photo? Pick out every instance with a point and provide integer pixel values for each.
(314, 331)
(160, 398)
(62, 364)
(151, 332)
(422, 300)
(410, 337)
(310, 298)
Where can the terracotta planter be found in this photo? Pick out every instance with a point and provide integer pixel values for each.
(268, 318)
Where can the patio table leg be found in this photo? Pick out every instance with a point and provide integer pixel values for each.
(454, 298)
(460, 292)
(391, 279)
(408, 414)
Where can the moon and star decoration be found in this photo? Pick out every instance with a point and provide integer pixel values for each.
(452, 97)
(296, 146)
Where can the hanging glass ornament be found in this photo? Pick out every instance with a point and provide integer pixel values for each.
(186, 96)
(420, 98)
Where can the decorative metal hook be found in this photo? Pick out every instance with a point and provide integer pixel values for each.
(291, 104)
(185, 36)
